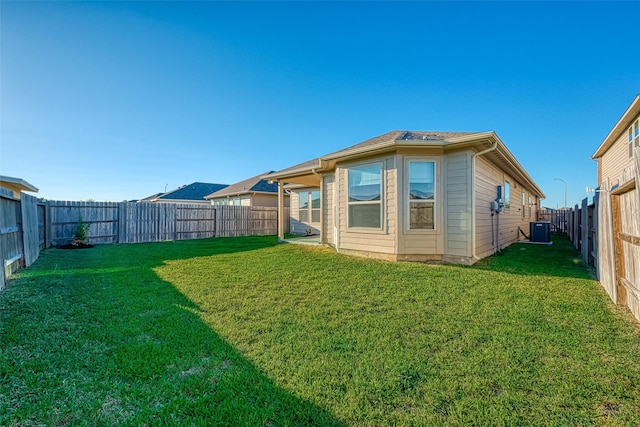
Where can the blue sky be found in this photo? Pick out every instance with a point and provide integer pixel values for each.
(116, 100)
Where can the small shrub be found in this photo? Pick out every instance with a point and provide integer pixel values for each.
(82, 231)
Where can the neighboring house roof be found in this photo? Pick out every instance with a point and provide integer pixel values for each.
(620, 127)
(16, 184)
(401, 138)
(149, 198)
(195, 191)
(256, 184)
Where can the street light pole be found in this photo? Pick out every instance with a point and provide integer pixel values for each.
(565, 190)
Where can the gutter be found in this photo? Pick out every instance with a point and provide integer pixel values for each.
(474, 255)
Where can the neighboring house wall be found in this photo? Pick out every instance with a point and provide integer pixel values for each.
(244, 200)
(257, 199)
(191, 202)
(616, 159)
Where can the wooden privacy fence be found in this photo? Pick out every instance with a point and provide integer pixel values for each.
(154, 222)
(21, 232)
(607, 234)
(580, 225)
(619, 241)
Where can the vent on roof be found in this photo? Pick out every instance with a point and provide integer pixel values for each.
(424, 137)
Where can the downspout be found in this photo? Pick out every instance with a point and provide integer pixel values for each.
(474, 256)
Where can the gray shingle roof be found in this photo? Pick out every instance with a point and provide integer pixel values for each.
(194, 191)
(387, 138)
(250, 185)
(401, 135)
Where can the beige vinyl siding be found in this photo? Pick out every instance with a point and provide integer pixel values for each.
(268, 200)
(615, 160)
(457, 202)
(488, 177)
(373, 240)
(327, 206)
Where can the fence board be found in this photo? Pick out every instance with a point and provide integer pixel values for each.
(606, 258)
(584, 230)
(596, 243)
(30, 226)
(575, 234)
(11, 243)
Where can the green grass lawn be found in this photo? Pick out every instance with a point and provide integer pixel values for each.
(245, 331)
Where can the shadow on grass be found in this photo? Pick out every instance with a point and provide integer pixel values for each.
(560, 259)
(92, 337)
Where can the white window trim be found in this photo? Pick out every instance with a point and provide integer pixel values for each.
(407, 201)
(507, 197)
(382, 202)
(632, 139)
(308, 193)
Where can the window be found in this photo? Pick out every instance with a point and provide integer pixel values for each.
(365, 196)
(303, 206)
(634, 136)
(507, 195)
(315, 206)
(309, 206)
(421, 196)
(530, 204)
(524, 203)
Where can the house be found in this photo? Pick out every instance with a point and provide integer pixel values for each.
(615, 153)
(414, 196)
(618, 205)
(254, 191)
(11, 187)
(192, 193)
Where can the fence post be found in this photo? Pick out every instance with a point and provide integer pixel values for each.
(596, 257)
(576, 227)
(122, 222)
(215, 220)
(584, 231)
(47, 224)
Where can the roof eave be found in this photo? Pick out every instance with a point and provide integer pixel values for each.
(17, 184)
(621, 125)
(242, 193)
(278, 176)
(517, 167)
